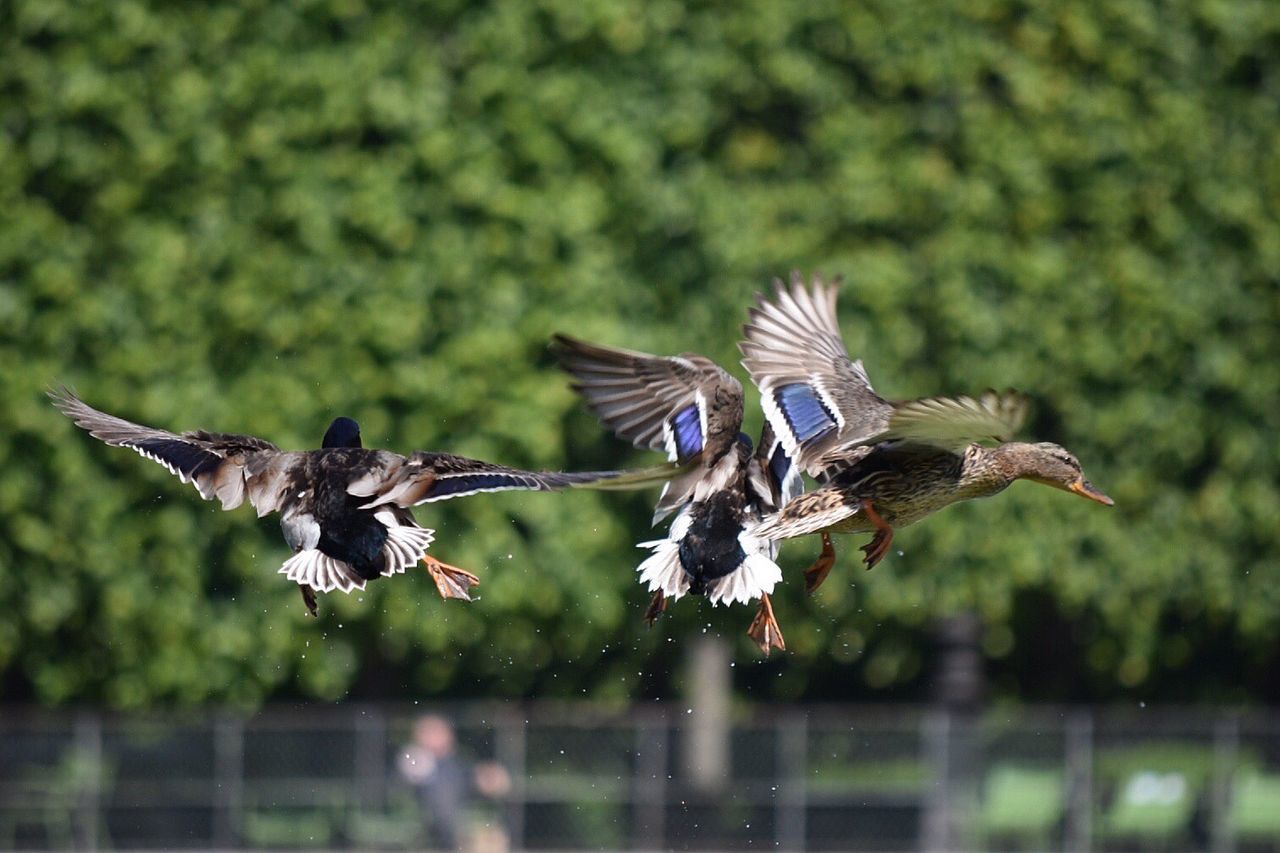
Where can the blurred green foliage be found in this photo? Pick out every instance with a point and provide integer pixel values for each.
(254, 216)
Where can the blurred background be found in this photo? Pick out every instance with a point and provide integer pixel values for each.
(256, 216)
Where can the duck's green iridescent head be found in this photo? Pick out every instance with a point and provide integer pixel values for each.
(343, 432)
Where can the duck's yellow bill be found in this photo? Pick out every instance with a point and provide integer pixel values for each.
(1085, 489)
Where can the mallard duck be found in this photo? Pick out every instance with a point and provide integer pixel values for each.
(692, 408)
(344, 509)
(883, 464)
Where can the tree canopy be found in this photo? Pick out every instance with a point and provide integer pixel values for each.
(256, 216)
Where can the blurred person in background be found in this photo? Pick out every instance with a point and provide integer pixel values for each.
(446, 783)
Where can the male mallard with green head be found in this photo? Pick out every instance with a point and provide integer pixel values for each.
(882, 464)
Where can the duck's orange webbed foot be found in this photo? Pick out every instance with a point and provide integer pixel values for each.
(657, 606)
(817, 573)
(878, 547)
(764, 628)
(451, 581)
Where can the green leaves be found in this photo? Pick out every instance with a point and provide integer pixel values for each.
(254, 217)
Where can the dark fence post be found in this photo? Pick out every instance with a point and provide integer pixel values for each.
(792, 739)
(510, 749)
(1226, 748)
(705, 735)
(88, 769)
(958, 690)
(650, 826)
(1079, 749)
(228, 771)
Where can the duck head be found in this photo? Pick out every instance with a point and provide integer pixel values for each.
(343, 432)
(1052, 465)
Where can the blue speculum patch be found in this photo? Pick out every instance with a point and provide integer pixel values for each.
(804, 411)
(687, 427)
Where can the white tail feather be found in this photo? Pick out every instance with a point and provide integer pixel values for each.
(756, 576)
(404, 548)
(406, 544)
(662, 569)
(323, 573)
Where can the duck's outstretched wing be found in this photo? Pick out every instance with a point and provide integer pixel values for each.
(684, 405)
(425, 476)
(955, 422)
(821, 403)
(815, 396)
(225, 466)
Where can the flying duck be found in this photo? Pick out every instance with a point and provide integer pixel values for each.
(691, 408)
(344, 509)
(883, 464)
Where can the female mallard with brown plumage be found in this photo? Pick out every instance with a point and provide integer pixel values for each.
(690, 407)
(882, 464)
(344, 509)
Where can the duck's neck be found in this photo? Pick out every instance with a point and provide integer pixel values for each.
(988, 470)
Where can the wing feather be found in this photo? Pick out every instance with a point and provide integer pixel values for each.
(425, 477)
(215, 463)
(821, 403)
(955, 422)
(814, 395)
(681, 404)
